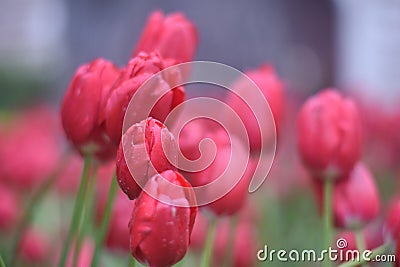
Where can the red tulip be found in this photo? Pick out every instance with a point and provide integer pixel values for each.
(272, 89)
(196, 130)
(392, 223)
(199, 232)
(237, 246)
(146, 143)
(230, 155)
(34, 247)
(173, 36)
(138, 70)
(9, 208)
(32, 131)
(235, 199)
(160, 232)
(329, 134)
(189, 143)
(355, 198)
(82, 112)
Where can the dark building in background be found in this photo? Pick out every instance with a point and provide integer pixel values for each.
(49, 39)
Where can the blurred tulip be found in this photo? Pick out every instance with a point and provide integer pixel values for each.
(118, 232)
(85, 254)
(355, 198)
(329, 134)
(160, 232)
(225, 167)
(69, 178)
(138, 70)
(195, 131)
(10, 207)
(392, 223)
(34, 247)
(382, 142)
(173, 36)
(372, 237)
(149, 147)
(350, 245)
(190, 138)
(32, 131)
(236, 247)
(199, 233)
(117, 237)
(82, 111)
(235, 199)
(272, 89)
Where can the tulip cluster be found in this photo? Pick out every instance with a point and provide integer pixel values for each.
(92, 115)
(153, 215)
(161, 193)
(330, 142)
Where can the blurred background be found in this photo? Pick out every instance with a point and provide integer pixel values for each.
(312, 44)
(350, 44)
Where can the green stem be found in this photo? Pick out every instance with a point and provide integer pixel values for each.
(87, 218)
(327, 217)
(26, 219)
(206, 258)
(228, 256)
(77, 213)
(2, 264)
(378, 251)
(360, 242)
(105, 222)
(132, 262)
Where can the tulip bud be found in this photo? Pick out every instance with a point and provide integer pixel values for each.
(329, 134)
(392, 223)
(160, 232)
(9, 207)
(146, 146)
(138, 70)
(34, 247)
(173, 36)
(355, 198)
(272, 89)
(82, 111)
